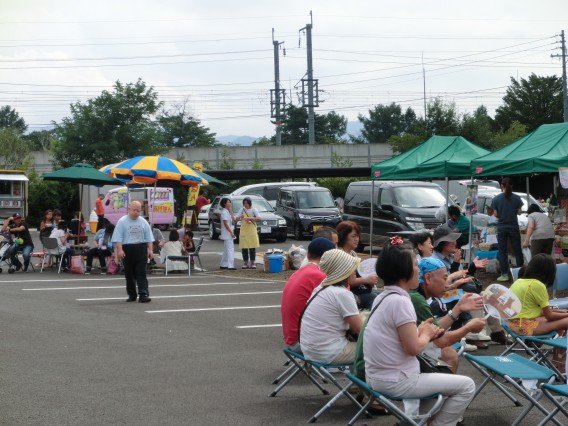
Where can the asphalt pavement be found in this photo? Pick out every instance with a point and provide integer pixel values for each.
(203, 352)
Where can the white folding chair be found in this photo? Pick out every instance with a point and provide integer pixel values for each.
(52, 250)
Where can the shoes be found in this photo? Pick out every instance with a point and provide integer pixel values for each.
(245, 266)
(503, 278)
(25, 270)
(144, 299)
(469, 348)
(253, 266)
(103, 271)
(65, 269)
(17, 268)
(481, 336)
(88, 271)
(232, 269)
(377, 409)
(479, 343)
(499, 337)
(131, 299)
(223, 267)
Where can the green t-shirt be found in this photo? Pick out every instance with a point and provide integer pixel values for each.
(421, 306)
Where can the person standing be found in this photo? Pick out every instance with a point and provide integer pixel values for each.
(227, 235)
(540, 232)
(133, 238)
(16, 226)
(201, 201)
(100, 212)
(248, 237)
(507, 206)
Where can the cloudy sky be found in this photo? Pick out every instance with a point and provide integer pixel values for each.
(217, 56)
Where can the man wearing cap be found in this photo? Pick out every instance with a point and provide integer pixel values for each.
(331, 311)
(24, 242)
(298, 290)
(433, 283)
(323, 232)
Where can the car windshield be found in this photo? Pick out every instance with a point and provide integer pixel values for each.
(315, 200)
(260, 204)
(419, 196)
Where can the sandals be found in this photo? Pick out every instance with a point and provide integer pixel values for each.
(252, 266)
(245, 266)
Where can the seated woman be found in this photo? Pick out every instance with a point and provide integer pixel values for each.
(174, 248)
(46, 224)
(391, 341)
(103, 248)
(62, 235)
(349, 235)
(330, 312)
(536, 316)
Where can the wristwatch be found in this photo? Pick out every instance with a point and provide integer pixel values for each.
(452, 316)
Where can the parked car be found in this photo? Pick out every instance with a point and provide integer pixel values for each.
(397, 206)
(203, 218)
(305, 209)
(268, 190)
(272, 225)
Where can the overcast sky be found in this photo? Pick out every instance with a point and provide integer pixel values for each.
(218, 55)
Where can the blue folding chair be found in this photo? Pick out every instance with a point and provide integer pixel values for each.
(558, 394)
(299, 364)
(541, 352)
(560, 283)
(525, 342)
(513, 369)
(387, 401)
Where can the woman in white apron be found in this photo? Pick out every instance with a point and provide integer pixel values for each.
(248, 237)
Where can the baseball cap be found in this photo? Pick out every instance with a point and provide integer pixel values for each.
(319, 246)
(444, 233)
(429, 264)
(16, 215)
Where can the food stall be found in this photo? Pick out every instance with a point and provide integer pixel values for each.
(13, 193)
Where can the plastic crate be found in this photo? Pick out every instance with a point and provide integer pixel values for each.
(492, 254)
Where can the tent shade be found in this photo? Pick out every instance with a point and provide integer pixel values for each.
(543, 150)
(81, 173)
(438, 157)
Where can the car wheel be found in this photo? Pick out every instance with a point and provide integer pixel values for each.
(281, 238)
(212, 233)
(298, 232)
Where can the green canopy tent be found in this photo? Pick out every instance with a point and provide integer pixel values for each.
(543, 150)
(438, 157)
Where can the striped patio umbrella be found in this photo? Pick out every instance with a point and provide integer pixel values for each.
(155, 169)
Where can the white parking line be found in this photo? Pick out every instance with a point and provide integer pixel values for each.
(258, 326)
(188, 295)
(212, 309)
(152, 286)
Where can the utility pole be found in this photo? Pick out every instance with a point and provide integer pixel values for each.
(311, 84)
(424, 80)
(277, 104)
(564, 85)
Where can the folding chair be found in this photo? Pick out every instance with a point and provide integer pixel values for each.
(299, 364)
(526, 342)
(195, 253)
(558, 394)
(52, 250)
(513, 369)
(560, 283)
(387, 402)
(541, 354)
(181, 258)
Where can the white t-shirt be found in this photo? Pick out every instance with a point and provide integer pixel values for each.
(58, 233)
(384, 356)
(322, 333)
(542, 226)
(225, 217)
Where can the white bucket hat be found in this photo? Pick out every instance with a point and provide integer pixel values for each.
(337, 265)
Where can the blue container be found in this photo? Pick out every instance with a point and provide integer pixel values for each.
(487, 254)
(275, 263)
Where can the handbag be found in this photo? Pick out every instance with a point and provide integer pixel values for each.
(429, 364)
(473, 286)
(112, 267)
(77, 265)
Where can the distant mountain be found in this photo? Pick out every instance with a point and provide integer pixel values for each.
(234, 140)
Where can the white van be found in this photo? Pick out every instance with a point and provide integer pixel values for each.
(162, 202)
(269, 190)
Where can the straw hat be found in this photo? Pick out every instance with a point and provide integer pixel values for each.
(337, 265)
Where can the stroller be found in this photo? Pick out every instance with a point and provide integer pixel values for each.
(6, 242)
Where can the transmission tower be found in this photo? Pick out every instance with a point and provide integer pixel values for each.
(309, 85)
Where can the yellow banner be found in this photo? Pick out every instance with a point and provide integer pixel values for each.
(194, 189)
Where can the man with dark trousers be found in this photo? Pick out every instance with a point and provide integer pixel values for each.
(133, 238)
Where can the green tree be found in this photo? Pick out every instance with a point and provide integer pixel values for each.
(385, 121)
(45, 195)
(112, 127)
(14, 151)
(227, 162)
(531, 102)
(264, 141)
(41, 140)
(329, 128)
(477, 127)
(181, 129)
(402, 143)
(514, 132)
(9, 118)
(442, 118)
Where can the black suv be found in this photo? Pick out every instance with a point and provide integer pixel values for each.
(271, 225)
